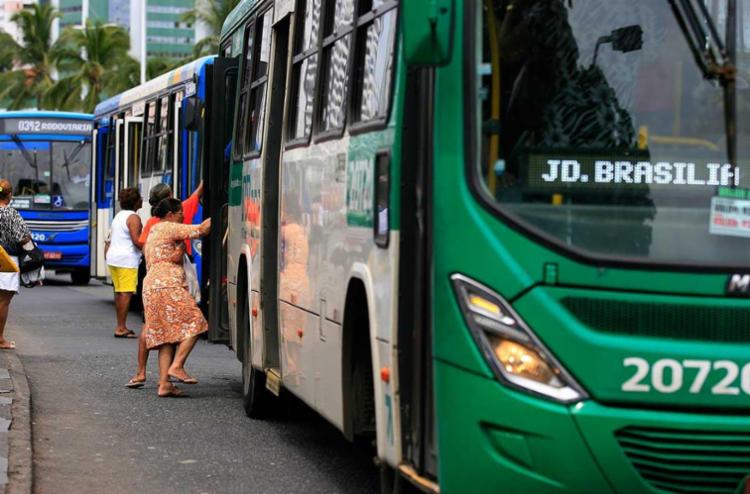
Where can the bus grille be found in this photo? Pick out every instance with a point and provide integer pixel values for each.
(688, 461)
(56, 226)
(682, 322)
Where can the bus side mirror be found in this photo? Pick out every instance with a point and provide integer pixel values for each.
(428, 31)
(191, 113)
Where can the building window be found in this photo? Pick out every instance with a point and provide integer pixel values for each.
(373, 60)
(304, 68)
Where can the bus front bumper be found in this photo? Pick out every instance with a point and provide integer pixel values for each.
(494, 439)
(65, 257)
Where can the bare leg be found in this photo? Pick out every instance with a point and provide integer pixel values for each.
(177, 369)
(122, 304)
(5, 298)
(166, 354)
(140, 374)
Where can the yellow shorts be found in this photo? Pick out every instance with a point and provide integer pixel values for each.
(124, 279)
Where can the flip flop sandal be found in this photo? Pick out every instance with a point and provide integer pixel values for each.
(189, 380)
(174, 393)
(11, 346)
(133, 384)
(129, 334)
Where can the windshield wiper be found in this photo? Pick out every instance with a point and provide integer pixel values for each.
(715, 58)
(24, 152)
(30, 160)
(67, 159)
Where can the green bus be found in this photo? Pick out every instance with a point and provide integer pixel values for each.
(503, 238)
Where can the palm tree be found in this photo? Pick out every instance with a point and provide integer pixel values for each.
(157, 66)
(32, 78)
(212, 13)
(7, 52)
(93, 61)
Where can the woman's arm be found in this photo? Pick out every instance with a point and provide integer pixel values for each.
(134, 228)
(177, 231)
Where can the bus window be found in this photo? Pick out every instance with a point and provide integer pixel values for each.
(304, 66)
(109, 163)
(134, 134)
(244, 86)
(163, 137)
(337, 29)
(148, 140)
(254, 133)
(120, 143)
(373, 62)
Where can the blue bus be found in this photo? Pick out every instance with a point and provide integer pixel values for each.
(159, 132)
(47, 158)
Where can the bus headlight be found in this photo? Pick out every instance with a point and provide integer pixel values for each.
(517, 356)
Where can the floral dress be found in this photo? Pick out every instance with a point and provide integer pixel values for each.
(172, 315)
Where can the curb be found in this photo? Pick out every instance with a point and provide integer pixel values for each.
(20, 459)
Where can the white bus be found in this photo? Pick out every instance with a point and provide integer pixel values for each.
(313, 259)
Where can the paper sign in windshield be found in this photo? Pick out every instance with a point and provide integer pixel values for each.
(730, 217)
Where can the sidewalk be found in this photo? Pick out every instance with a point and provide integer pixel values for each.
(15, 426)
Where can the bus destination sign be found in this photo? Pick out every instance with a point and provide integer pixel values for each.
(64, 126)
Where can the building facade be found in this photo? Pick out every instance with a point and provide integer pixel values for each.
(166, 34)
(10, 7)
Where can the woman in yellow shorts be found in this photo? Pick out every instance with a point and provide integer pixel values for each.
(123, 255)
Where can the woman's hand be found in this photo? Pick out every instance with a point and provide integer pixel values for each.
(205, 227)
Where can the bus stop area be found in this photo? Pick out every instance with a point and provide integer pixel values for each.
(79, 429)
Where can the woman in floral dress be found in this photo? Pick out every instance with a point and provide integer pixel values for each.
(173, 320)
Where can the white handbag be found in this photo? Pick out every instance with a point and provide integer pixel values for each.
(191, 275)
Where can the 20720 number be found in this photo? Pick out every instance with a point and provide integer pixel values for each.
(668, 376)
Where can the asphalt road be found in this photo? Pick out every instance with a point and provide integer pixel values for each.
(93, 435)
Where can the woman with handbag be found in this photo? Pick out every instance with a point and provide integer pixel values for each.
(190, 207)
(14, 238)
(173, 319)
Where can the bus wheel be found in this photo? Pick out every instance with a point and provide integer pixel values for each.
(256, 399)
(80, 276)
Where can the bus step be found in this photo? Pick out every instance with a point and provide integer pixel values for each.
(273, 380)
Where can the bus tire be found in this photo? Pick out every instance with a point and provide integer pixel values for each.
(256, 399)
(80, 276)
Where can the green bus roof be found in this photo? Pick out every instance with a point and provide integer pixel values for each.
(236, 17)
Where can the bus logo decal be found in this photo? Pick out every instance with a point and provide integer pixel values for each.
(738, 285)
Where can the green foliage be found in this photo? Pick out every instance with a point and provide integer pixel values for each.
(84, 66)
(157, 66)
(32, 78)
(212, 13)
(93, 63)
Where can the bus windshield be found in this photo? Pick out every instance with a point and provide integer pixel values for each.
(601, 126)
(47, 174)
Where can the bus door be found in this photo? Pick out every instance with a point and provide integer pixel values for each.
(103, 194)
(269, 249)
(132, 150)
(217, 132)
(415, 324)
(93, 207)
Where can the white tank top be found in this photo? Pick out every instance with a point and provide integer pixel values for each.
(122, 253)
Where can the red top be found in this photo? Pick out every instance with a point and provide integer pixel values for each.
(189, 208)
